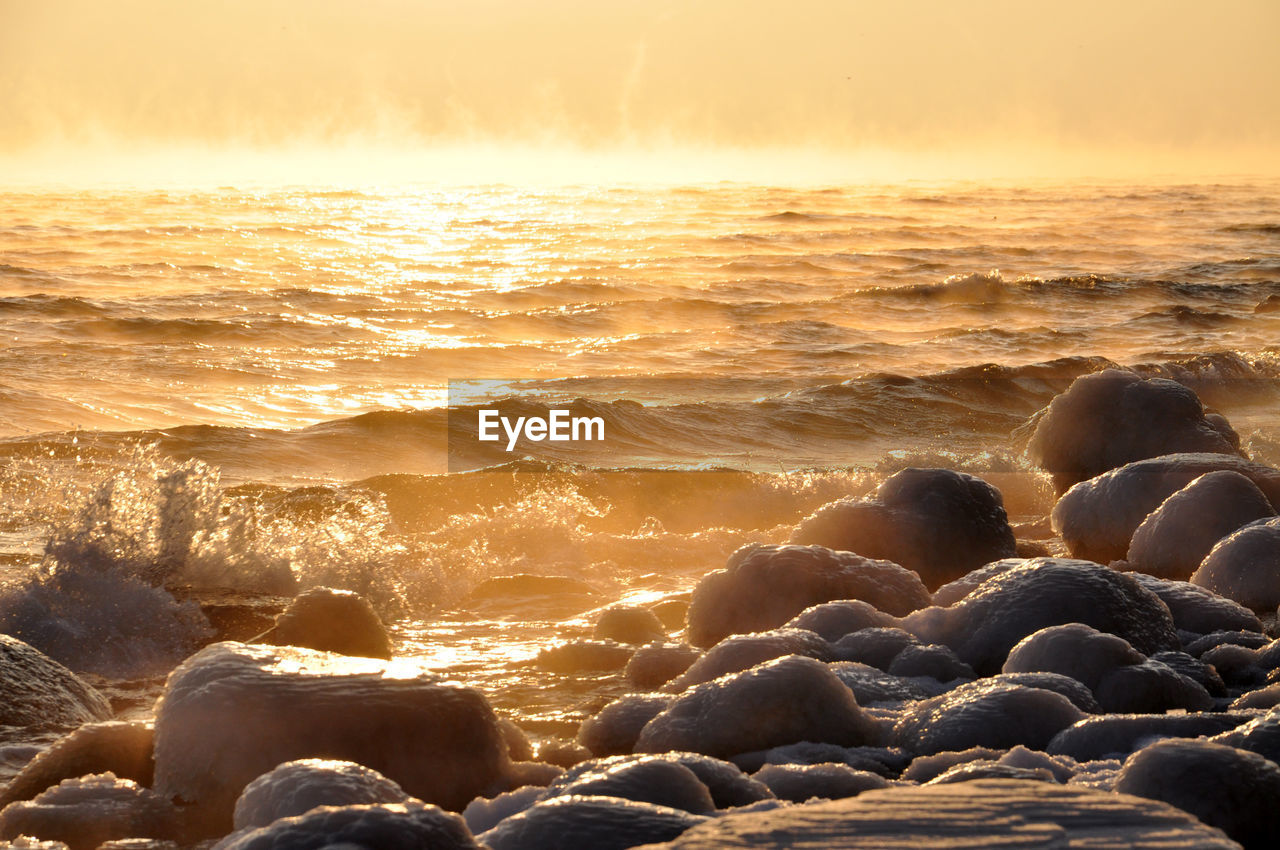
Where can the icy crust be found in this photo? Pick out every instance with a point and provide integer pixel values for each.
(937, 522)
(123, 749)
(779, 702)
(388, 826)
(86, 811)
(599, 823)
(297, 787)
(765, 585)
(233, 712)
(1023, 596)
(976, 815)
(35, 690)
(1097, 518)
(1245, 566)
(985, 714)
(1113, 417)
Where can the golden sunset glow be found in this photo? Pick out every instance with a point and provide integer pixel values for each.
(568, 89)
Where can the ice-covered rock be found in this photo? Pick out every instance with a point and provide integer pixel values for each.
(615, 728)
(1097, 518)
(1235, 790)
(742, 652)
(801, 782)
(233, 712)
(1034, 594)
(1175, 537)
(1198, 610)
(985, 813)
(1260, 735)
(601, 823)
(384, 826)
(655, 664)
(725, 781)
(1245, 566)
(36, 690)
(1117, 735)
(870, 685)
(1113, 417)
(662, 782)
(937, 522)
(877, 647)
(629, 624)
(984, 714)
(834, 620)
(332, 621)
(116, 747)
(764, 585)
(86, 811)
(780, 702)
(934, 661)
(297, 787)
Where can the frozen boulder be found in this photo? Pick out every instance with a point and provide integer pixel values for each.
(297, 787)
(725, 781)
(1245, 566)
(601, 823)
(986, 624)
(937, 522)
(802, 782)
(615, 728)
(834, 620)
(985, 813)
(1117, 735)
(1234, 790)
(742, 652)
(780, 702)
(332, 621)
(655, 664)
(86, 811)
(384, 826)
(871, 686)
(984, 714)
(765, 585)
(934, 661)
(1175, 537)
(1109, 418)
(35, 690)
(232, 712)
(1198, 610)
(662, 782)
(1260, 735)
(122, 749)
(877, 647)
(629, 624)
(1097, 518)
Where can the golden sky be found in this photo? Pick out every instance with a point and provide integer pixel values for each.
(1055, 86)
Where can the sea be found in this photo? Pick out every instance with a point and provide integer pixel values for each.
(264, 388)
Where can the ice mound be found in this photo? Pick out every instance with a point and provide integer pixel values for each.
(629, 624)
(615, 728)
(1122, 679)
(882, 761)
(984, 813)
(871, 686)
(36, 690)
(765, 585)
(1245, 566)
(1033, 594)
(655, 664)
(123, 749)
(877, 647)
(801, 782)
(742, 652)
(1260, 735)
(297, 787)
(1175, 537)
(86, 811)
(232, 712)
(933, 661)
(1235, 790)
(601, 823)
(726, 782)
(645, 780)
(780, 702)
(1097, 517)
(1117, 735)
(332, 621)
(937, 522)
(834, 620)
(1198, 610)
(984, 714)
(1109, 418)
(386, 826)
